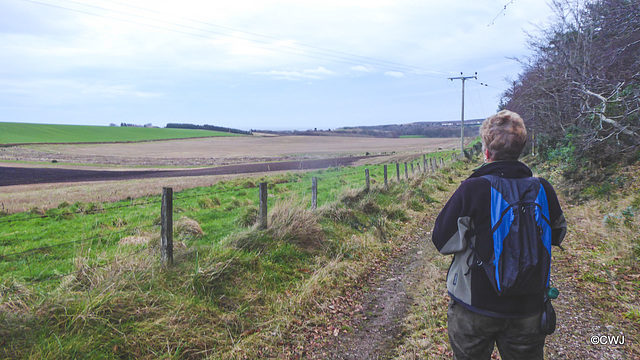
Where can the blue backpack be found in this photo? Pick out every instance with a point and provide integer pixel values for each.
(521, 231)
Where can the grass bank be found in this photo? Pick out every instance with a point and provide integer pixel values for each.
(84, 280)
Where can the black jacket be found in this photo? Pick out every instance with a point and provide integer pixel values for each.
(467, 217)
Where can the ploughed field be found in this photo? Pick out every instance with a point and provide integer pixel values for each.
(45, 175)
(217, 151)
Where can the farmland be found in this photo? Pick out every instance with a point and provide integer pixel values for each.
(220, 150)
(22, 133)
(183, 154)
(69, 247)
(82, 275)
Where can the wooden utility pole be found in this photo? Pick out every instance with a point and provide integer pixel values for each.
(463, 78)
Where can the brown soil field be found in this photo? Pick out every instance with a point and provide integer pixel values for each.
(246, 155)
(222, 150)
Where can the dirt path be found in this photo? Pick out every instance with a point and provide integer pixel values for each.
(381, 329)
(378, 324)
(578, 318)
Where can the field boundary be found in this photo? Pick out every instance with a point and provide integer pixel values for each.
(397, 172)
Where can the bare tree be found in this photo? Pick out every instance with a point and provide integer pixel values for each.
(583, 79)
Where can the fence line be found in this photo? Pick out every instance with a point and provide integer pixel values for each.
(167, 201)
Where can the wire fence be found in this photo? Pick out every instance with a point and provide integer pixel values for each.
(102, 227)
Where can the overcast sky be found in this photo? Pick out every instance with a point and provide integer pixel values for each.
(258, 64)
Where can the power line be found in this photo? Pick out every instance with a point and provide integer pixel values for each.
(262, 41)
(270, 38)
(501, 12)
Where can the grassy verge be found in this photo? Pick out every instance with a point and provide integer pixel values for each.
(84, 280)
(23, 133)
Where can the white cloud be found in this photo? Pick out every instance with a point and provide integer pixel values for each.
(395, 74)
(65, 91)
(178, 53)
(362, 68)
(313, 74)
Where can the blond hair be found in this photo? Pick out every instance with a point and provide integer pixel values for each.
(504, 135)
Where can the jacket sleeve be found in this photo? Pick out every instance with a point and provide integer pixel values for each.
(556, 216)
(456, 218)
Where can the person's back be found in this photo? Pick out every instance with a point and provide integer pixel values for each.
(479, 313)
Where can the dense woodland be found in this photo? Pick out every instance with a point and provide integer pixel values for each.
(580, 88)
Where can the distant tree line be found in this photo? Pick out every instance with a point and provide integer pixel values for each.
(580, 90)
(426, 129)
(207, 127)
(431, 129)
(134, 125)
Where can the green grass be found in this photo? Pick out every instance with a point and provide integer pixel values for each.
(22, 133)
(64, 276)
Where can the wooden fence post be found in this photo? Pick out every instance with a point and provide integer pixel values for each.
(398, 171)
(166, 222)
(367, 185)
(412, 169)
(386, 184)
(314, 193)
(263, 206)
(406, 171)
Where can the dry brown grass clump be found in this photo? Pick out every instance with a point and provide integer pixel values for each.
(14, 298)
(188, 227)
(337, 213)
(134, 240)
(294, 222)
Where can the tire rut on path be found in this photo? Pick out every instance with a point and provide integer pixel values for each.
(379, 326)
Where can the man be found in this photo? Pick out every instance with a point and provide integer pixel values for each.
(478, 316)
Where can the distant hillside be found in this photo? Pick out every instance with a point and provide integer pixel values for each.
(441, 129)
(22, 133)
(431, 129)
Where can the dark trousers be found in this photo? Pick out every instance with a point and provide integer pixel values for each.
(472, 335)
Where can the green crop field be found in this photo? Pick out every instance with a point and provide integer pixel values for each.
(412, 136)
(21, 133)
